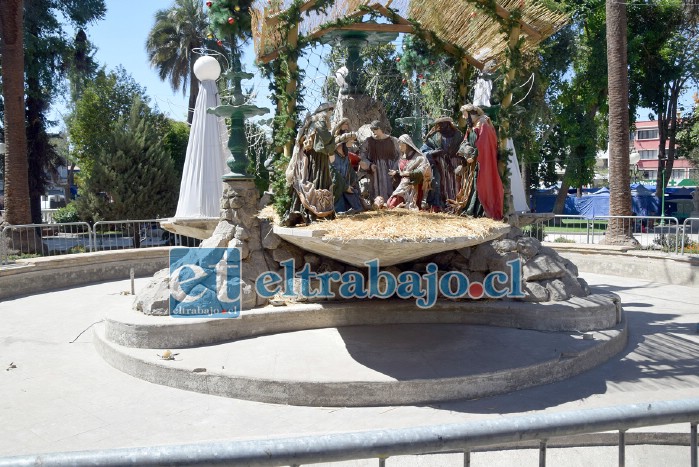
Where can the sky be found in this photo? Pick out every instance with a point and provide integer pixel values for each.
(120, 40)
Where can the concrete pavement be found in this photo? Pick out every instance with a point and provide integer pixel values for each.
(62, 396)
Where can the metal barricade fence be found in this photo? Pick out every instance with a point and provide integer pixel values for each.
(45, 239)
(690, 236)
(651, 232)
(381, 444)
(17, 241)
(119, 235)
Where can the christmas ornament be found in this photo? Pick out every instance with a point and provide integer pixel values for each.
(231, 20)
(219, 42)
(208, 4)
(237, 8)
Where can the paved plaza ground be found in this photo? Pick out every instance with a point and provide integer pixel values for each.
(62, 396)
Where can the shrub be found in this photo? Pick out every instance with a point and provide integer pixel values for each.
(66, 214)
(669, 243)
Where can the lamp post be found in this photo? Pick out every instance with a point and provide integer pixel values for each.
(634, 158)
(662, 200)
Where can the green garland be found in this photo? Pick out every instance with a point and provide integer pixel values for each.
(280, 75)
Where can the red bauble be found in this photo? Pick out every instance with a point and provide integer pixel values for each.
(419, 76)
(404, 81)
(231, 20)
(397, 59)
(219, 42)
(209, 4)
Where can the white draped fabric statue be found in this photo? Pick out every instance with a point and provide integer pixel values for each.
(205, 163)
(481, 98)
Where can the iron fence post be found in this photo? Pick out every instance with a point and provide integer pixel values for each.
(693, 443)
(622, 448)
(542, 453)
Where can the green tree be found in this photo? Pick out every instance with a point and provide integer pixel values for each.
(665, 36)
(177, 32)
(133, 176)
(47, 48)
(260, 151)
(535, 124)
(106, 99)
(82, 69)
(175, 141)
(688, 137)
(81, 66)
(583, 99)
(431, 77)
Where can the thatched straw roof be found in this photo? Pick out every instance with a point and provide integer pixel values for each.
(458, 23)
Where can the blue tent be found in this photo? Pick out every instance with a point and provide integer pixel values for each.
(643, 203)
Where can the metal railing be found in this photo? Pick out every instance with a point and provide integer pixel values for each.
(44, 240)
(29, 240)
(119, 235)
(651, 232)
(690, 236)
(383, 444)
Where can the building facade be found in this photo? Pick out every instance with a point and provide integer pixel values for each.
(646, 143)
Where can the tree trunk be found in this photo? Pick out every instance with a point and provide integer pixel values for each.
(562, 196)
(36, 150)
(17, 207)
(618, 230)
(667, 133)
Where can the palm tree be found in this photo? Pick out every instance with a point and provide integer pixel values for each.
(618, 231)
(176, 33)
(17, 206)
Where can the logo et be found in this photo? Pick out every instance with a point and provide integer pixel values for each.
(205, 283)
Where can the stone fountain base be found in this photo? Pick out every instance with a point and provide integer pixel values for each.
(342, 352)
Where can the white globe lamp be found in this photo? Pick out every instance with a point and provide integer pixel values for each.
(634, 157)
(207, 68)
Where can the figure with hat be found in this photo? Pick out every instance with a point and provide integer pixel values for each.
(345, 186)
(441, 149)
(308, 172)
(415, 176)
(343, 127)
(481, 190)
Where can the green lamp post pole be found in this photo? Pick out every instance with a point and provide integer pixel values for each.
(662, 201)
(237, 111)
